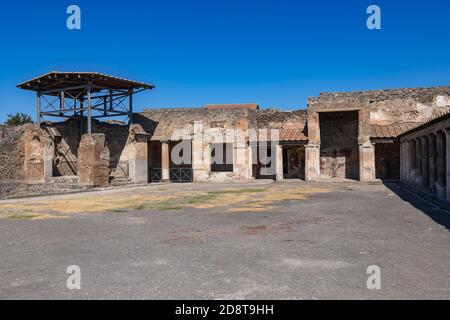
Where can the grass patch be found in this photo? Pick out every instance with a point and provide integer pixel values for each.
(201, 198)
(238, 191)
(23, 216)
(162, 205)
(118, 210)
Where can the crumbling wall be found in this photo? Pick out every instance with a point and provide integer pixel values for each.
(411, 105)
(12, 153)
(204, 127)
(93, 160)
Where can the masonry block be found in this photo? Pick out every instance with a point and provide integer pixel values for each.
(93, 160)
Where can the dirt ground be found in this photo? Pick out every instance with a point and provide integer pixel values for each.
(226, 241)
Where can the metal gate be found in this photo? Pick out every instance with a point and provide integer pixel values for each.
(175, 174)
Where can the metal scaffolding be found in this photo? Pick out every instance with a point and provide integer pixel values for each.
(83, 94)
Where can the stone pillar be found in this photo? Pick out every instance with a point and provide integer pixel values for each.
(312, 150)
(138, 159)
(407, 162)
(201, 156)
(49, 154)
(424, 156)
(279, 162)
(447, 164)
(441, 164)
(366, 162)
(412, 157)
(366, 148)
(419, 177)
(432, 162)
(165, 161)
(250, 162)
(93, 160)
(402, 162)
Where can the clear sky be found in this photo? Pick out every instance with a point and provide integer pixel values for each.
(275, 53)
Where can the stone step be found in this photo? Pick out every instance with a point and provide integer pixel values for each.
(120, 181)
(63, 180)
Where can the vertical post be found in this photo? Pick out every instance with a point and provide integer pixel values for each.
(419, 176)
(312, 152)
(279, 162)
(38, 110)
(165, 161)
(441, 165)
(130, 112)
(61, 100)
(104, 105)
(402, 161)
(111, 102)
(447, 164)
(89, 122)
(425, 168)
(432, 162)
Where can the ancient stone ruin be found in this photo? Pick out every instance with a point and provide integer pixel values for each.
(385, 135)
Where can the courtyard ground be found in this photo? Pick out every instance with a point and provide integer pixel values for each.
(226, 241)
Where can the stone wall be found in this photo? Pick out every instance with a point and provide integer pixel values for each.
(11, 153)
(93, 160)
(388, 106)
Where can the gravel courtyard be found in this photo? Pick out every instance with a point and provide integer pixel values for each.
(226, 241)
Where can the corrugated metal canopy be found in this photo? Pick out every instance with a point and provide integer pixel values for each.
(59, 80)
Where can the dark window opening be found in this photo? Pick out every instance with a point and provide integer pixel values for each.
(221, 157)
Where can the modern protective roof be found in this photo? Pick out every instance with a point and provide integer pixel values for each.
(391, 130)
(55, 80)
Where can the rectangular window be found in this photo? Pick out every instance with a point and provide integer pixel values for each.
(221, 157)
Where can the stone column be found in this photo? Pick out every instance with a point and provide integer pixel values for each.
(279, 162)
(407, 162)
(138, 159)
(312, 150)
(412, 157)
(250, 162)
(419, 177)
(93, 160)
(366, 148)
(165, 161)
(447, 164)
(402, 162)
(201, 154)
(432, 162)
(424, 156)
(366, 162)
(441, 164)
(49, 154)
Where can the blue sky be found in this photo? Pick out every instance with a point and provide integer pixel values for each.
(275, 53)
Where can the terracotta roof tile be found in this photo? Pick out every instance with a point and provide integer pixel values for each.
(391, 130)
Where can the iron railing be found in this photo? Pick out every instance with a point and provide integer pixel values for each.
(175, 174)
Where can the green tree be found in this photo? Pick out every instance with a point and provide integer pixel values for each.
(18, 119)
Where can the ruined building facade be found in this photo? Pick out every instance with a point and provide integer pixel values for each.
(364, 136)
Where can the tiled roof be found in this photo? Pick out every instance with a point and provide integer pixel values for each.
(430, 121)
(287, 135)
(391, 130)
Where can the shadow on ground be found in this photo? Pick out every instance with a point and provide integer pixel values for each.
(432, 210)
